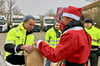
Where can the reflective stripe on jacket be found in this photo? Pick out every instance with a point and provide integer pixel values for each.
(51, 37)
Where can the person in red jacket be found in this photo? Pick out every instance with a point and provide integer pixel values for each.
(74, 45)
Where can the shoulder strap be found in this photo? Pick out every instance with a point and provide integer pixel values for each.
(87, 36)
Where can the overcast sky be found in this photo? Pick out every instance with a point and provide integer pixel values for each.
(41, 7)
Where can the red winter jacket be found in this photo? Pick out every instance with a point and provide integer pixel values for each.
(73, 47)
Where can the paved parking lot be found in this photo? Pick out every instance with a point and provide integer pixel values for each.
(38, 36)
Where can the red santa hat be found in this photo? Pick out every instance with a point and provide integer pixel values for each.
(72, 12)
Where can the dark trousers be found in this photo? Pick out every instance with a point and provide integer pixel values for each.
(72, 64)
(48, 62)
(93, 58)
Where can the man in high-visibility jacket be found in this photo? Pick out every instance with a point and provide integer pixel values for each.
(95, 34)
(18, 40)
(52, 38)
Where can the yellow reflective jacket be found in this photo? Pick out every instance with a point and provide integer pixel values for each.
(95, 34)
(50, 37)
(18, 36)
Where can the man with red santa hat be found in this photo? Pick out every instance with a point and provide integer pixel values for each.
(74, 45)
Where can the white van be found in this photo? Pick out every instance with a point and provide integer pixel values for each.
(3, 23)
(48, 23)
(37, 25)
(16, 19)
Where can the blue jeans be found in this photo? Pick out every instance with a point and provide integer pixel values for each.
(48, 62)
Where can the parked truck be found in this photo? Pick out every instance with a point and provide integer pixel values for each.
(59, 17)
(48, 23)
(16, 19)
(3, 23)
(37, 25)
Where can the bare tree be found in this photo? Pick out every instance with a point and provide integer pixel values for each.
(10, 5)
(12, 9)
(16, 11)
(50, 13)
(2, 7)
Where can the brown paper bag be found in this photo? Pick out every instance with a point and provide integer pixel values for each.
(34, 59)
(56, 64)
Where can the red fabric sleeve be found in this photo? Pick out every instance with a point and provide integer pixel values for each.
(66, 47)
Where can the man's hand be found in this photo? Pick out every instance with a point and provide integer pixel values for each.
(27, 48)
(34, 45)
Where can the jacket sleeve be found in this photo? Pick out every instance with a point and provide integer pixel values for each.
(9, 43)
(66, 47)
(99, 37)
(11, 48)
(47, 37)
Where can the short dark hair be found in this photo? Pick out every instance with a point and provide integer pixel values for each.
(56, 22)
(88, 21)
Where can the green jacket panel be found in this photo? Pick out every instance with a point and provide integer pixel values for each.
(50, 37)
(95, 34)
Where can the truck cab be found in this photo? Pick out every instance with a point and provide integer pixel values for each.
(16, 20)
(48, 23)
(37, 25)
(59, 17)
(3, 24)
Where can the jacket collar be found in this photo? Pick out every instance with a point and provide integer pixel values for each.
(72, 24)
(74, 28)
(21, 27)
(90, 28)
